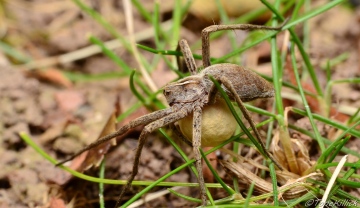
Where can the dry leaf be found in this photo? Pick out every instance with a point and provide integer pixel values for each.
(96, 154)
(52, 75)
(301, 153)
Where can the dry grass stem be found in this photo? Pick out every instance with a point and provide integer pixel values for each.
(130, 27)
(332, 181)
(88, 51)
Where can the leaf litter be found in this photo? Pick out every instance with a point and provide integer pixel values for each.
(61, 115)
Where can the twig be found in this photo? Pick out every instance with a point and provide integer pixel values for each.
(88, 51)
(152, 196)
(130, 28)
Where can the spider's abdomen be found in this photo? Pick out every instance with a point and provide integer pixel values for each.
(248, 85)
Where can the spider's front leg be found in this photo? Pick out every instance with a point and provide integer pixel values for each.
(171, 118)
(196, 145)
(189, 59)
(143, 120)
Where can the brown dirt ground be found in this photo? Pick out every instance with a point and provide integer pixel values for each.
(63, 116)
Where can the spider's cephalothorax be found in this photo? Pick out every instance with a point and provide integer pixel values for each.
(192, 97)
(187, 93)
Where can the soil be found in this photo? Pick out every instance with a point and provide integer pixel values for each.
(63, 114)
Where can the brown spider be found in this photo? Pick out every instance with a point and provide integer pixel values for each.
(190, 94)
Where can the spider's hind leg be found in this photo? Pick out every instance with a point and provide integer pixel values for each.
(176, 130)
(205, 36)
(247, 116)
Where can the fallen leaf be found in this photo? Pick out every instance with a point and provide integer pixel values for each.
(94, 156)
(52, 75)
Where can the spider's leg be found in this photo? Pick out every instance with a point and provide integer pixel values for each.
(205, 33)
(178, 133)
(181, 62)
(188, 56)
(196, 145)
(246, 114)
(139, 121)
(171, 118)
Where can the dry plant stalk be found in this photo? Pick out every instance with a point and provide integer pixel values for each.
(291, 188)
(190, 95)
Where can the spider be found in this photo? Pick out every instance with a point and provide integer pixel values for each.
(188, 96)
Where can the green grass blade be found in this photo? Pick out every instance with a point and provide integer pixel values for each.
(354, 117)
(306, 105)
(277, 74)
(129, 111)
(335, 124)
(326, 141)
(244, 48)
(188, 198)
(155, 183)
(162, 52)
(249, 194)
(176, 23)
(237, 118)
(297, 40)
(331, 148)
(80, 77)
(334, 164)
(16, 54)
(312, 13)
(156, 23)
(236, 150)
(102, 21)
(185, 157)
(274, 183)
(251, 15)
(144, 13)
(109, 53)
(217, 177)
(101, 185)
(118, 61)
(134, 91)
(279, 105)
(338, 149)
(40, 151)
(225, 20)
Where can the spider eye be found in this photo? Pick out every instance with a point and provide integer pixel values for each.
(166, 93)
